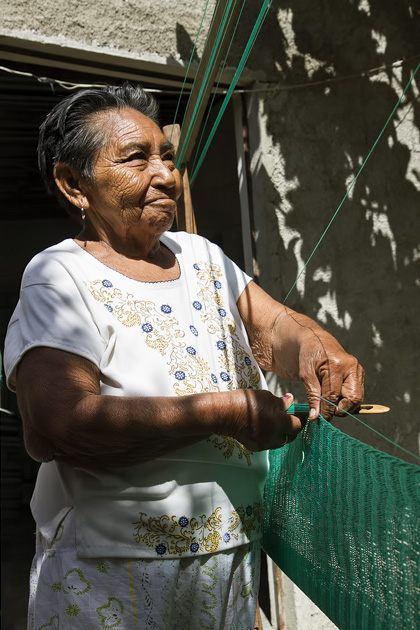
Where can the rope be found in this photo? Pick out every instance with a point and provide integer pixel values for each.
(210, 65)
(372, 429)
(353, 182)
(197, 151)
(189, 66)
(251, 41)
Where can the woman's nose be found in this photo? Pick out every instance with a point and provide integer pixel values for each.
(164, 174)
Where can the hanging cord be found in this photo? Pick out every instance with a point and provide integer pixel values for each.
(353, 182)
(372, 429)
(209, 69)
(188, 67)
(255, 31)
(223, 65)
(199, 64)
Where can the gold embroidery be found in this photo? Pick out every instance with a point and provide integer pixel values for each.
(177, 536)
(234, 360)
(248, 519)
(228, 445)
(163, 333)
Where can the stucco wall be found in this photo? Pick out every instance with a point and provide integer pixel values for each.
(308, 143)
(153, 31)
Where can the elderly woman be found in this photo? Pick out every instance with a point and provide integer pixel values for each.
(136, 354)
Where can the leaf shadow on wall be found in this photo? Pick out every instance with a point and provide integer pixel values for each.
(363, 282)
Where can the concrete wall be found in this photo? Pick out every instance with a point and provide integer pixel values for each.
(308, 144)
(159, 31)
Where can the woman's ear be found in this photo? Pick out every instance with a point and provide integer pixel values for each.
(70, 183)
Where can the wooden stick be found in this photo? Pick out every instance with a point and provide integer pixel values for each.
(302, 410)
(373, 409)
(185, 218)
(187, 144)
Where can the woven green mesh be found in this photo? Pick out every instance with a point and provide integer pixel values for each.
(342, 520)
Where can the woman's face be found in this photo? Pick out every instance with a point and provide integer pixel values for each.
(135, 185)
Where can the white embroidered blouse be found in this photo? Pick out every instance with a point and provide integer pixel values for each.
(147, 338)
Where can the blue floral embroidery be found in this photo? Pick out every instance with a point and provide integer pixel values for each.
(217, 284)
(183, 521)
(224, 376)
(165, 308)
(214, 378)
(109, 307)
(247, 360)
(221, 312)
(221, 345)
(194, 330)
(197, 305)
(107, 283)
(248, 510)
(194, 547)
(191, 350)
(226, 537)
(160, 549)
(147, 327)
(196, 267)
(180, 375)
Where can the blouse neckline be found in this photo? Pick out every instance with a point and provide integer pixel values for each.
(163, 239)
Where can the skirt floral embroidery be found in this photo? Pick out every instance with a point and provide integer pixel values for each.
(211, 592)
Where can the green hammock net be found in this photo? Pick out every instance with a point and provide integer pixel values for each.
(342, 520)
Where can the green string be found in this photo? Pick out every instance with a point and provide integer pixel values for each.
(188, 67)
(212, 60)
(223, 65)
(372, 429)
(352, 183)
(254, 34)
(200, 62)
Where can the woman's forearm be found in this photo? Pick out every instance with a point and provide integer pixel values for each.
(122, 431)
(66, 417)
(297, 348)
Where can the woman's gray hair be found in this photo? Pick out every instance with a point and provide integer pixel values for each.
(69, 133)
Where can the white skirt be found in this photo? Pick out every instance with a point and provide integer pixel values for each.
(216, 591)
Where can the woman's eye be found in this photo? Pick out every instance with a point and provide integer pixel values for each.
(169, 156)
(136, 156)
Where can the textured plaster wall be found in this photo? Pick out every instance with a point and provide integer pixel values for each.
(155, 31)
(308, 144)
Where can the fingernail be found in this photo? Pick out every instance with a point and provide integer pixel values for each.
(287, 396)
(312, 413)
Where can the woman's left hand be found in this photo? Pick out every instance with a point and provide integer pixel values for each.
(329, 373)
(297, 348)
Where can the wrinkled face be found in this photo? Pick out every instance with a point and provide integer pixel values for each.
(135, 184)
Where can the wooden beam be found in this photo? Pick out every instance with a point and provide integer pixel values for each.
(185, 218)
(186, 144)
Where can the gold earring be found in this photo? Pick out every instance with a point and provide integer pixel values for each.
(83, 213)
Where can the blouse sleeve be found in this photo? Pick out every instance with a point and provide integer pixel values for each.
(51, 312)
(236, 278)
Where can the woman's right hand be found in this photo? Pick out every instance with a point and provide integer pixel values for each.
(258, 419)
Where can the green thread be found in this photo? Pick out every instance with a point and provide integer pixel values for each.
(353, 182)
(188, 68)
(223, 64)
(200, 62)
(212, 60)
(251, 41)
(372, 429)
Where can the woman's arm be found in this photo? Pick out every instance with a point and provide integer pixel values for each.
(65, 416)
(297, 348)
